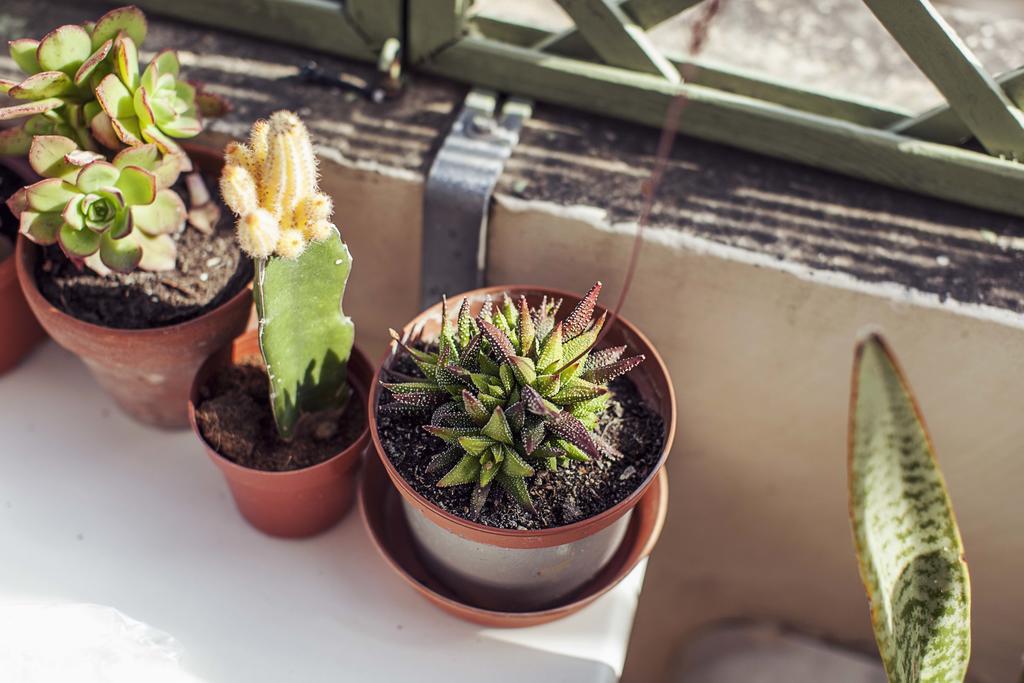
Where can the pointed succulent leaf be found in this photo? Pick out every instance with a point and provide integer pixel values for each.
(514, 465)
(96, 65)
(499, 341)
(908, 544)
(567, 427)
(450, 434)
(465, 471)
(527, 330)
(479, 499)
(443, 460)
(548, 385)
(533, 434)
(475, 445)
(516, 487)
(516, 415)
(578, 320)
(597, 359)
(412, 387)
(450, 415)
(551, 350)
(497, 427)
(411, 350)
(524, 369)
(509, 311)
(536, 404)
(474, 408)
(578, 345)
(607, 373)
(465, 325)
(507, 376)
(486, 313)
(487, 471)
(579, 390)
(570, 450)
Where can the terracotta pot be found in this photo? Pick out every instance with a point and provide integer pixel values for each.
(21, 329)
(296, 503)
(519, 570)
(149, 372)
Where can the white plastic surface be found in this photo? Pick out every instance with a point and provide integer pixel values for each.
(95, 509)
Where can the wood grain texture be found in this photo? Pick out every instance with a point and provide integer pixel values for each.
(947, 61)
(938, 170)
(315, 24)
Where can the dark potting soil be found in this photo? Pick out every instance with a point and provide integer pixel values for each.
(571, 494)
(235, 417)
(9, 184)
(211, 269)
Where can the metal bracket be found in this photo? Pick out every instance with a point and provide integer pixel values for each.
(458, 193)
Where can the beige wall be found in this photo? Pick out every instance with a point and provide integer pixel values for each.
(760, 358)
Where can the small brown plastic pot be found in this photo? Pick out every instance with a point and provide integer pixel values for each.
(149, 372)
(21, 329)
(512, 570)
(296, 503)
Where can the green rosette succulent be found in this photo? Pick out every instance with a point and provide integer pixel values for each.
(62, 72)
(115, 215)
(156, 107)
(511, 391)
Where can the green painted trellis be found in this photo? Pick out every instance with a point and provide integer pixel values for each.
(606, 64)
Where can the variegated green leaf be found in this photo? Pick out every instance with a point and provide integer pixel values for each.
(908, 544)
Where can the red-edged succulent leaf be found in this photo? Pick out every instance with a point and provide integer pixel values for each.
(19, 111)
(450, 415)
(524, 369)
(42, 85)
(23, 52)
(574, 349)
(579, 319)
(423, 400)
(90, 65)
(516, 415)
(128, 20)
(533, 433)
(577, 391)
(486, 313)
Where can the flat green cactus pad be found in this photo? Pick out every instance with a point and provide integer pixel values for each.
(305, 336)
(908, 544)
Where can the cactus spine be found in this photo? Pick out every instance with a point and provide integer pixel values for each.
(302, 267)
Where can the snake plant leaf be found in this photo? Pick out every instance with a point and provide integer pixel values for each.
(305, 337)
(908, 544)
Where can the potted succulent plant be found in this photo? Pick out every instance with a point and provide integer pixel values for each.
(285, 421)
(519, 449)
(21, 330)
(112, 262)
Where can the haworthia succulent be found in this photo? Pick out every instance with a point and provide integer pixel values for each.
(908, 544)
(305, 337)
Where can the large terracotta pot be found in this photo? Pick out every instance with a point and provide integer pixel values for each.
(21, 330)
(523, 570)
(149, 372)
(296, 503)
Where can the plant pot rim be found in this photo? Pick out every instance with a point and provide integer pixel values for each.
(357, 446)
(26, 253)
(635, 547)
(555, 535)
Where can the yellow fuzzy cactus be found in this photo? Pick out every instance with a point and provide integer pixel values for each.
(271, 185)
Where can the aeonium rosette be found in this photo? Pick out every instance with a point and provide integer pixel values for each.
(116, 215)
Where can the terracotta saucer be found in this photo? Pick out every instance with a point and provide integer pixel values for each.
(381, 508)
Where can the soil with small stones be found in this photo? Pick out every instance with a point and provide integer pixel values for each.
(571, 494)
(210, 270)
(235, 417)
(9, 184)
